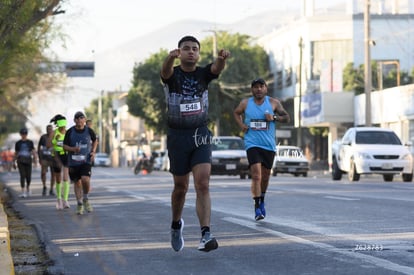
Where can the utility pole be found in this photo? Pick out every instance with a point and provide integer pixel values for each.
(100, 121)
(367, 67)
(299, 137)
(217, 124)
(214, 43)
(217, 128)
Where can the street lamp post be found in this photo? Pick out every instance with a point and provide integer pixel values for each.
(217, 123)
(367, 67)
(100, 121)
(299, 137)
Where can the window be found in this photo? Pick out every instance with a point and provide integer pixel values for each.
(377, 137)
(228, 144)
(323, 51)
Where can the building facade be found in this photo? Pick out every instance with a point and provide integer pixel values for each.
(308, 55)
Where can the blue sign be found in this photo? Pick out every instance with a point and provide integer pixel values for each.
(312, 105)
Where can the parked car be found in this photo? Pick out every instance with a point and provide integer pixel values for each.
(371, 150)
(229, 157)
(102, 159)
(290, 160)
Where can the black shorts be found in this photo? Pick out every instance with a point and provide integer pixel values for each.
(259, 155)
(60, 161)
(188, 147)
(64, 159)
(77, 172)
(46, 161)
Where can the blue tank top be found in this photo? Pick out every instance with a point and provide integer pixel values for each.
(261, 133)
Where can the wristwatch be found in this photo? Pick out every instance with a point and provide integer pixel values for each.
(275, 117)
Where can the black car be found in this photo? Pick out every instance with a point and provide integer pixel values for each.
(229, 157)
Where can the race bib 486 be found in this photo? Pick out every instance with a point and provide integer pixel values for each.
(258, 124)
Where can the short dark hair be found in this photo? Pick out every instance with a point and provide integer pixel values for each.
(188, 38)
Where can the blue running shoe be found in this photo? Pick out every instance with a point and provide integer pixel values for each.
(258, 214)
(262, 208)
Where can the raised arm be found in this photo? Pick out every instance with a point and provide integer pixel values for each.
(167, 68)
(220, 62)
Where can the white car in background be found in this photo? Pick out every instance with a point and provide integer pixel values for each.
(229, 157)
(102, 159)
(371, 150)
(290, 160)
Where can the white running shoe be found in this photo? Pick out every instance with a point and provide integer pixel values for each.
(59, 205)
(66, 204)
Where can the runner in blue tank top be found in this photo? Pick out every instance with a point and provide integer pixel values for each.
(260, 113)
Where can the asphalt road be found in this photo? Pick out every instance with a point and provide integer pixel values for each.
(313, 226)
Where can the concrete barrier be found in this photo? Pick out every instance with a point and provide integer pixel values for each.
(6, 260)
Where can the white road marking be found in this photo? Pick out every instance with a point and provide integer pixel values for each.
(341, 198)
(367, 258)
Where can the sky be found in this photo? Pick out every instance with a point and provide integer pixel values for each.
(93, 26)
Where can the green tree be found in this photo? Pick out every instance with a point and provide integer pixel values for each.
(25, 31)
(92, 113)
(147, 100)
(406, 78)
(353, 78)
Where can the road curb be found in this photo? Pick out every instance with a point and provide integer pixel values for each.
(6, 262)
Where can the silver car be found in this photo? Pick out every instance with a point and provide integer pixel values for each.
(102, 159)
(228, 157)
(290, 160)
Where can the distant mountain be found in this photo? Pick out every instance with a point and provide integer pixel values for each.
(114, 67)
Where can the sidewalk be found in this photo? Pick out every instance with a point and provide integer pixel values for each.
(25, 250)
(6, 263)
